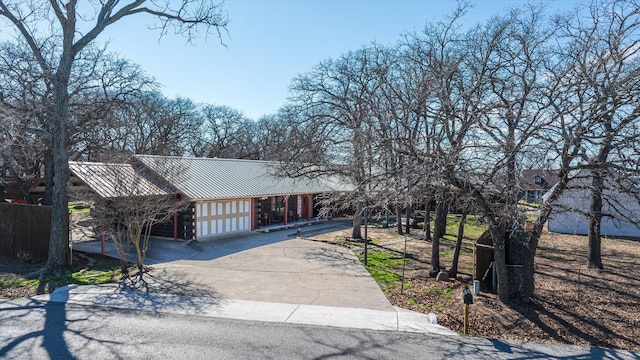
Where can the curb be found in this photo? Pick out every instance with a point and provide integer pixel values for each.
(112, 297)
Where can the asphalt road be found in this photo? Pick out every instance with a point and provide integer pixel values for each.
(45, 330)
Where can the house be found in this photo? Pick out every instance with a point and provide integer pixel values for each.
(224, 195)
(621, 208)
(535, 183)
(11, 192)
(110, 182)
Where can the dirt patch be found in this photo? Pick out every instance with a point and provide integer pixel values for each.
(572, 305)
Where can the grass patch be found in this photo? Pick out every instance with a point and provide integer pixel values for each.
(17, 279)
(434, 307)
(529, 204)
(473, 227)
(383, 267)
(446, 254)
(446, 293)
(13, 281)
(95, 277)
(80, 207)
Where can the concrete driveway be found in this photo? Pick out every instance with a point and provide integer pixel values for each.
(275, 267)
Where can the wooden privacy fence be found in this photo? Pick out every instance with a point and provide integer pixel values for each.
(25, 231)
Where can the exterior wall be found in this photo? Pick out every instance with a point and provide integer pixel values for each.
(223, 217)
(569, 217)
(183, 230)
(533, 196)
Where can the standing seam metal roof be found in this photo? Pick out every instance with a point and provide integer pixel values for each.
(109, 180)
(216, 178)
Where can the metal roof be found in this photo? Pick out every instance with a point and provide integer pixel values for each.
(114, 180)
(216, 178)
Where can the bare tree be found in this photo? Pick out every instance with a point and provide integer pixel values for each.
(129, 202)
(270, 136)
(153, 124)
(102, 86)
(334, 104)
(67, 31)
(433, 66)
(25, 96)
(224, 132)
(484, 109)
(601, 97)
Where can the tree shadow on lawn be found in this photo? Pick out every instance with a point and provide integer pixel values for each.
(587, 306)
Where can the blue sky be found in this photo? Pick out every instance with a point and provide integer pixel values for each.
(271, 41)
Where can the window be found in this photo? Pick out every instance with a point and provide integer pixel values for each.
(537, 179)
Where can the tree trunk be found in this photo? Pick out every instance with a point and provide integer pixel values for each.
(48, 176)
(427, 221)
(399, 222)
(439, 227)
(594, 256)
(499, 253)
(528, 269)
(356, 233)
(59, 240)
(453, 272)
(407, 227)
(136, 238)
(440, 222)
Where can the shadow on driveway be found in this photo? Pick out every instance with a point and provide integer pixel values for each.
(163, 250)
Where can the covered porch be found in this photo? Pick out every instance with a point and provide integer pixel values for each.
(282, 210)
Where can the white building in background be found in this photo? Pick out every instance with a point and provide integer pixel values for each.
(620, 209)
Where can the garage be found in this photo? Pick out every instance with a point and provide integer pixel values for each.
(222, 217)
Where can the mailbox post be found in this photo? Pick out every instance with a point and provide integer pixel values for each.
(467, 298)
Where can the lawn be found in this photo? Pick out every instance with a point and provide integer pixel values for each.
(572, 305)
(19, 279)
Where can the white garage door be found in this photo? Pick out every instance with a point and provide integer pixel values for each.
(223, 217)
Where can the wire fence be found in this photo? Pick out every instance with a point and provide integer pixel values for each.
(591, 288)
(606, 286)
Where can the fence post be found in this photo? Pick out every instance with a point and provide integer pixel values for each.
(578, 292)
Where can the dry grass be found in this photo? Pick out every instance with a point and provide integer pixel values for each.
(572, 305)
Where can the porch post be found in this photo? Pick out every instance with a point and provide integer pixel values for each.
(104, 241)
(252, 218)
(175, 218)
(286, 209)
(195, 220)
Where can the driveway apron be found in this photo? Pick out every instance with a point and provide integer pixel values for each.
(293, 271)
(275, 267)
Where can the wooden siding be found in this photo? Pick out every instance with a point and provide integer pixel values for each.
(185, 225)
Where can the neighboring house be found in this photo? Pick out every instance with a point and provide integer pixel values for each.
(535, 183)
(621, 208)
(11, 192)
(225, 195)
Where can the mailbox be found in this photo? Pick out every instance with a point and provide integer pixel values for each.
(467, 297)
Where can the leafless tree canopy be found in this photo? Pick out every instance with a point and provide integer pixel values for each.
(451, 115)
(452, 111)
(67, 29)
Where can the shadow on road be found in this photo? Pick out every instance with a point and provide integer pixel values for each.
(48, 327)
